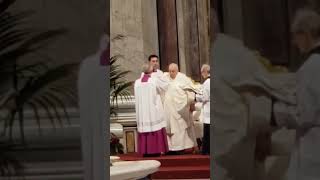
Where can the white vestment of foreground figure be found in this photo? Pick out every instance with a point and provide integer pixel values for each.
(304, 118)
(180, 127)
(93, 98)
(240, 115)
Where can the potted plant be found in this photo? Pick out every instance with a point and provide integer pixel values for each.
(119, 90)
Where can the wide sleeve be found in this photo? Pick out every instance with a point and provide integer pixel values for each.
(307, 111)
(161, 81)
(205, 96)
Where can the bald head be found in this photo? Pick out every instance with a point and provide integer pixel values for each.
(173, 70)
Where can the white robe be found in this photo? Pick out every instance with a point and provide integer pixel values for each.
(205, 99)
(149, 111)
(93, 98)
(305, 159)
(239, 115)
(164, 81)
(180, 127)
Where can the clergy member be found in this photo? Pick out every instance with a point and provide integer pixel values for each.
(243, 88)
(177, 105)
(305, 159)
(159, 75)
(151, 123)
(204, 98)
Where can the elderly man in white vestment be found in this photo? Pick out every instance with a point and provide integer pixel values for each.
(178, 105)
(305, 117)
(244, 91)
(151, 122)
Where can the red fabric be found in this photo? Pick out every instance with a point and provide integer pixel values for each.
(145, 78)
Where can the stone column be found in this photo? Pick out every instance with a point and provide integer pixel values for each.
(181, 39)
(193, 35)
(137, 22)
(203, 9)
(150, 28)
(167, 23)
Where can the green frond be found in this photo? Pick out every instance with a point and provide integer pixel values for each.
(61, 104)
(51, 105)
(9, 165)
(36, 113)
(44, 106)
(5, 4)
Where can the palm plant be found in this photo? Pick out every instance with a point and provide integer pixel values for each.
(119, 86)
(34, 85)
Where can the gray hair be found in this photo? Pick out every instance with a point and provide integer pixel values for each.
(306, 21)
(146, 68)
(205, 67)
(174, 65)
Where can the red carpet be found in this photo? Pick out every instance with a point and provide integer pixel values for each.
(177, 167)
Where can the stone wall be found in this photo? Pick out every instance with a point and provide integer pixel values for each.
(137, 22)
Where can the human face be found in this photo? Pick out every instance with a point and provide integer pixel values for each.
(154, 62)
(302, 41)
(204, 73)
(173, 71)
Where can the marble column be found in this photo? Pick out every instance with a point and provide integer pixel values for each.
(203, 9)
(181, 39)
(193, 35)
(167, 23)
(137, 22)
(150, 28)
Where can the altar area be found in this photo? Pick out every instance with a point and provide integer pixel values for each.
(191, 165)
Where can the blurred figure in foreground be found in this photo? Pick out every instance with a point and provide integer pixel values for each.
(305, 118)
(93, 81)
(244, 91)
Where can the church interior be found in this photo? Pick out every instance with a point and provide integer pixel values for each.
(178, 31)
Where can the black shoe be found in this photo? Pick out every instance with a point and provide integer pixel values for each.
(152, 155)
(171, 153)
(175, 153)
